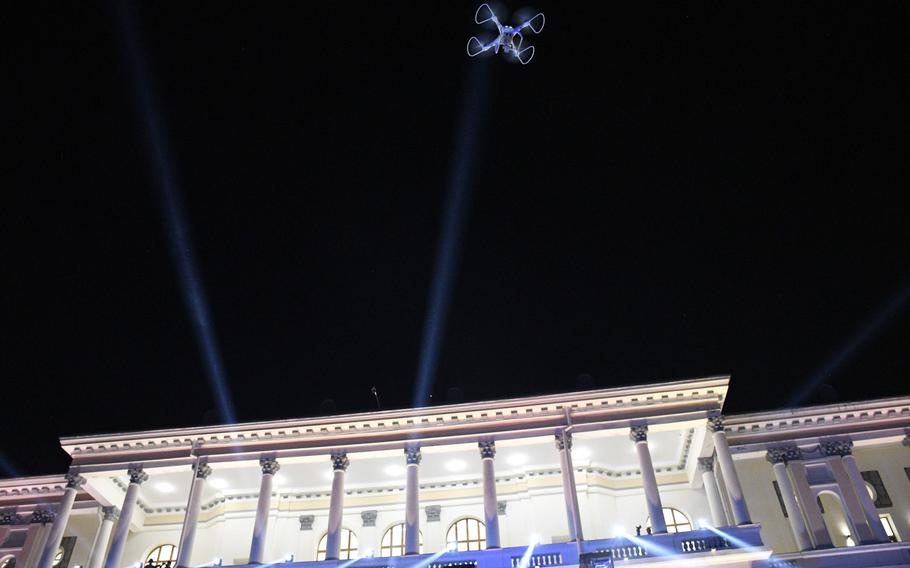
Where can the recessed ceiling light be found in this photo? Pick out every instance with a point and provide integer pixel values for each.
(456, 465)
(581, 453)
(279, 479)
(219, 483)
(517, 459)
(393, 470)
(164, 487)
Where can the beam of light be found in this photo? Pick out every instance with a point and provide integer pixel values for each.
(347, 563)
(526, 557)
(867, 332)
(649, 545)
(177, 231)
(458, 198)
(7, 467)
(737, 542)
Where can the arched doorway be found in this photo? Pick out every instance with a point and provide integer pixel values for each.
(836, 519)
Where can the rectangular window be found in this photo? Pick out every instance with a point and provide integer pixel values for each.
(888, 524)
(780, 499)
(882, 499)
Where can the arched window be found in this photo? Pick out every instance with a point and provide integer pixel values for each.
(348, 548)
(162, 556)
(8, 562)
(675, 519)
(467, 534)
(392, 543)
(58, 558)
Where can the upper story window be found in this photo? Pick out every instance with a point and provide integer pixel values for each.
(675, 519)
(58, 558)
(348, 548)
(162, 556)
(8, 562)
(467, 534)
(392, 543)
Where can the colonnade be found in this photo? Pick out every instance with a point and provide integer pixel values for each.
(340, 462)
(805, 517)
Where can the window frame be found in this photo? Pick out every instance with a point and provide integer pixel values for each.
(344, 549)
(675, 524)
(393, 546)
(480, 542)
(158, 561)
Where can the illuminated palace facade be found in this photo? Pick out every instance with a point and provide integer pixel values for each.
(653, 475)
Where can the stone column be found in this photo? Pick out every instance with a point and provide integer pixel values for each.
(569, 491)
(340, 465)
(859, 486)
(718, 517)
(856, 516)
(37, 537)
(814, 520)
(490, 509)
(639, 435)
(73, 483)
(191, 519)
(778, 457)
(412, 502)
(102, 537)
(731, 479)
(260, 528)
(122, 529)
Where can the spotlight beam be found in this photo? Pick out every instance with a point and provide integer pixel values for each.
(870, 329)
(458, 198)
(176, 226)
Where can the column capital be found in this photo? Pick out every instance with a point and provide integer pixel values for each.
(638, 434)
(42, 516)
(715, 422)
(110, 513)
(269, 466)
(501, 507)
(368, 518)
(137, 474)
(202, 470)
(10, 517)
(706, 464)
(783, 454)
(340, 461)
(487, 449)
(842, 447)
(306, 522)
(433, 513)
(74, 480)
(563, 440)
(412, 455)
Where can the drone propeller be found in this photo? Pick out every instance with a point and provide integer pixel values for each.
(486, 16)
(536, 23)
(526, 55)
(517, 38)
(476, 47)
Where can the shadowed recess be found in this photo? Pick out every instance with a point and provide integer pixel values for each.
(176, 227)
(458, 199)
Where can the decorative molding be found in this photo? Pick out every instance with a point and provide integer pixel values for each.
(110, 513)
(306, 522)
(501, 507)
(269, 466)
(10, 517)
(369, 518)
(783, 454)
(340, 461)
(433, 513)
(137, 474)
(412, 455)
(487, 449)
(564, 441)
(638, 434)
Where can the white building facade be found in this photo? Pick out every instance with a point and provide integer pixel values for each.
(653, 475)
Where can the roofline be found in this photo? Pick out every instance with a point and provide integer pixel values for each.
(816, 409)
(711, 381)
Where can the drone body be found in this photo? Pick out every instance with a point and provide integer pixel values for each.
(510, 38)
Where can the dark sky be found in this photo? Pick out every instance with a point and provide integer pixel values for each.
(662, 193)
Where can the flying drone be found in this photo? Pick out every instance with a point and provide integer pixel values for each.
(509, 39)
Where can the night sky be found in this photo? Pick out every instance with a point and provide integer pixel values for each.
(666, 193)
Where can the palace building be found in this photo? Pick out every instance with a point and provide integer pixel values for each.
(652, 475)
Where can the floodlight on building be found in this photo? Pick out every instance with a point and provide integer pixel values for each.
(219, 483)
(164, 487)
(456, 465)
